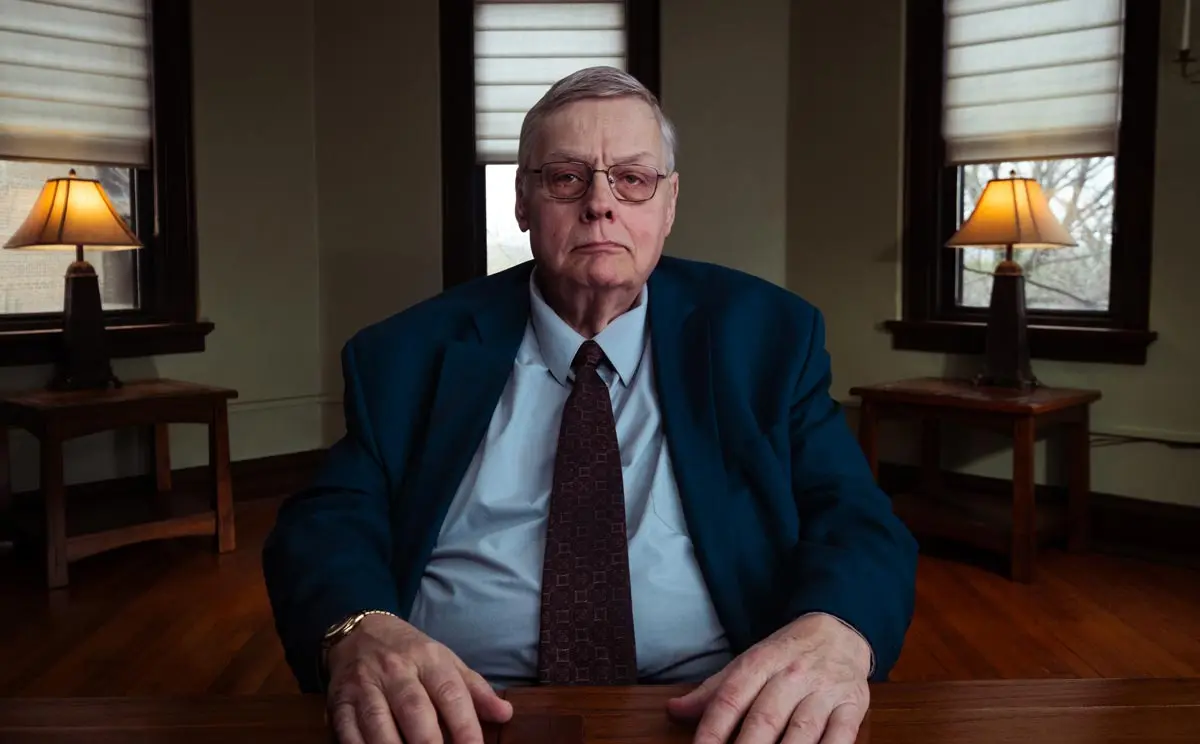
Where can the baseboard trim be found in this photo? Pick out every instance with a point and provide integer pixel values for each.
(1119, 524)
(255, 478)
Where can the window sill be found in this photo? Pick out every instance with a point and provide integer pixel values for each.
(27, 347)
(1105, 345)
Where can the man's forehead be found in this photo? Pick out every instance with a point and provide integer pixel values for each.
(625, 128)
(641, 156)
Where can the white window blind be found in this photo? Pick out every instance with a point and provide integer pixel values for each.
(522, 48)
(1032, 79)
(75, 81)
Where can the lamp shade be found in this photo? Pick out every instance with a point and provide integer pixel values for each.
(1012, 211)
(72, 212)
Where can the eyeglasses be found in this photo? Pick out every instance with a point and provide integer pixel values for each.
(568, 181)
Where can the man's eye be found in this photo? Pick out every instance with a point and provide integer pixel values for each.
(566, 178)
(633, 179)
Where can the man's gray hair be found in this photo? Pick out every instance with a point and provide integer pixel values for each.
(593, 82)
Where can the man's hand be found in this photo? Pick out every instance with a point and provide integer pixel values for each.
(806, 683)
(388, 680)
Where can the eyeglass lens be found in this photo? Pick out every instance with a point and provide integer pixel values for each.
(571, 180)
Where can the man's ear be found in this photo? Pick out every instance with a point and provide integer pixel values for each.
(673, 183)
(521, 209)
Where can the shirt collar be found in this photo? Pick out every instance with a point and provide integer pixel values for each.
(622, 340)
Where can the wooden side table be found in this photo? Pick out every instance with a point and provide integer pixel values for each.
(1022, 415)
(56, 416)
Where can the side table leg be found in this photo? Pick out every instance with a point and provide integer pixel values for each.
(931, 456)
(162, 466)
(218, 463)
(6, 497)
(56, 511)
(867, 436)
(1079, 470)
(1024, 515)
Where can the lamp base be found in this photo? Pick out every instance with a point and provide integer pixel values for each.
(1006, 362)
(84, 362)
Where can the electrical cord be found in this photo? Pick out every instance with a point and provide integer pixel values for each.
(1112, 440)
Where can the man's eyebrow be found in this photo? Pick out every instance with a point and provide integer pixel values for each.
(637, 157)
(564, 155)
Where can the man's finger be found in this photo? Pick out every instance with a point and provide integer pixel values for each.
(375, 718)
(771, 711)
(809, 720)
(345, 725)
(490, 706)
(692, 705)
(726, 706)
(414, 712)
(453, 701)
(844, 724)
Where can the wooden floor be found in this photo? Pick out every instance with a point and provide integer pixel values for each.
(172, 617)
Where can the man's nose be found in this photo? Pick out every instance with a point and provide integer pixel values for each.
(599, 202)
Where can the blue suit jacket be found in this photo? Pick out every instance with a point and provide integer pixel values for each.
(780, 503)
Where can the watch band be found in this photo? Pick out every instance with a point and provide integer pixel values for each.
(341, 629)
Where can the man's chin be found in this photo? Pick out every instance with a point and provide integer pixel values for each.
(607, 274)
(596, 271)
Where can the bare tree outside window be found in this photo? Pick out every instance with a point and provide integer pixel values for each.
(1080, 192)
(507, 246)
(32, 281)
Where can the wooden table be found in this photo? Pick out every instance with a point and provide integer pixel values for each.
(57, 416)
(933, 510)
(1146, 711)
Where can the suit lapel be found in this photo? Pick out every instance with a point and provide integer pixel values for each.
(683, 375)
(472, 376)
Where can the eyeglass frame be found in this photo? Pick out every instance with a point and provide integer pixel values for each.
(592, 180)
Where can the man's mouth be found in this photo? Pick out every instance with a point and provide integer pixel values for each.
(599, 245)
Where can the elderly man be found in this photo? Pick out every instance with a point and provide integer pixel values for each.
(601, 467)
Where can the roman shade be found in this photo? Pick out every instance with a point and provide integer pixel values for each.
(75, 81)
(1031, 79)
(522, 48)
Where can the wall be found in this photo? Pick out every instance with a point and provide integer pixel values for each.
(378, 168)
(725, 85)
(259, 282)
(844, 214)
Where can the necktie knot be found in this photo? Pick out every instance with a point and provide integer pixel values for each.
(589, 356)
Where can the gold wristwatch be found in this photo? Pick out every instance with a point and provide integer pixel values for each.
(338, 631)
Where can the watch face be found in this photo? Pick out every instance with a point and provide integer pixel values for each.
(339, 629)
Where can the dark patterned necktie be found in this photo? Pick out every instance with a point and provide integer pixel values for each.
(587, 613)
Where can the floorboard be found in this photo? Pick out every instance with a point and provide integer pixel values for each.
(172, 617)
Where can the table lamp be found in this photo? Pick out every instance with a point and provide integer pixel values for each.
(72, 214)
(1011, 213)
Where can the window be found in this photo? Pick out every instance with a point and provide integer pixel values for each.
(498, 59)
(1060, 90)
(32, 283)
(102, 87)
(1078, 278)
(507, 246)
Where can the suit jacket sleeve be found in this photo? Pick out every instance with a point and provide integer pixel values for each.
(855, 559)
(328, 555)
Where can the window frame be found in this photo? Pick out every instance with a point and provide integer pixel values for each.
(931, 320)
(166, 321)
(464, 198)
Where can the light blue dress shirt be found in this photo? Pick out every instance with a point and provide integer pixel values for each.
(481, 592)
